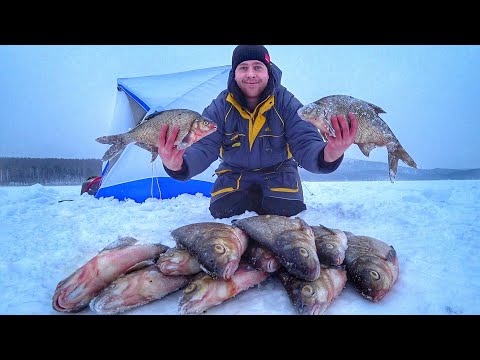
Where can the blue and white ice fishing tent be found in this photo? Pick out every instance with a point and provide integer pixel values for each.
(130, 174)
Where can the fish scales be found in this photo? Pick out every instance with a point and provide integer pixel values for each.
(192, 127)
(372, 130)
(372, 266)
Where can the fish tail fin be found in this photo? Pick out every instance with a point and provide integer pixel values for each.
(393, 158)
(110, 139)
(403, 155)
(186, 141)
(118, 144)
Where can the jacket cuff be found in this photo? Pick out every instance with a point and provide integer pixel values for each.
(329, 166)
(181, 174)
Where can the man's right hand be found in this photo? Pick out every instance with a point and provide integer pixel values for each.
(171, 157)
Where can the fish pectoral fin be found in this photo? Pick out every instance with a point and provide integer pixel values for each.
(377, 109)
(120, 243)
(182, 145)
(150, 148)
(366, 148)
(392, 166)
(186, 141)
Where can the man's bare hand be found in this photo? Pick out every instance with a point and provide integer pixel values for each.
(172, 158)
(344, 137)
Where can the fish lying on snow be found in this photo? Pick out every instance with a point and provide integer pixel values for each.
(218, 247)
(178, 262)
(193, 126)
(203, 291)
(291, 240)
(76, 291)
(331, 245)
(371, 265)
(372, 130)
(261, 258)
(313, 297)
(135, 289)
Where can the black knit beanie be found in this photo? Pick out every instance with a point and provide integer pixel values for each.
(250, 52)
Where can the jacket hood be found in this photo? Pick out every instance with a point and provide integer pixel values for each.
(273, 83)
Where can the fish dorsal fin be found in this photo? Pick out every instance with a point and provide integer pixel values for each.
(155, 113)
(121, 242)
(140, 265)
(392, 254)
(376, 108)
(327, 229)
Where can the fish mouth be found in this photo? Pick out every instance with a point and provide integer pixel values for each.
(327, 127)
(57, 303)
(230, 269)
(314, 273)
(107, 305)
(378, 295)
(316, 309)
(99, 304)
(66, 301)
(300, 112)
(190, 308)
(272, 265)
(167, 268)
(338, 260)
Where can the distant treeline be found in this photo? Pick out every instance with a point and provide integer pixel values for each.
(47, 171)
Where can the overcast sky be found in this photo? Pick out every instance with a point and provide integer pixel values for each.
(57, 99)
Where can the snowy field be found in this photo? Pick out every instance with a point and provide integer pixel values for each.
(433, 225)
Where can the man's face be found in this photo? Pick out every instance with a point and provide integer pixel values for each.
(251, 77)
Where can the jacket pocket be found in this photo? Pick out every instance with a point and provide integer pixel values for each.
(272, 143)
(286, 181)
(226, 182)
(232, 140)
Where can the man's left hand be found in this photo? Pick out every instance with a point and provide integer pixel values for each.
(344, 137)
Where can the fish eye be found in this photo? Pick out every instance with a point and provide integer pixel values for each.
(190, 288)
(219, 249)
(307, 290)
(375, 275)
(303, 252)
(205, 122)
(329, 246)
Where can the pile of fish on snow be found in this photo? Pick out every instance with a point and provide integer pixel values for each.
(213, 262)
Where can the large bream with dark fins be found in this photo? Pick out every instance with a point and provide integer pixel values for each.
(193, 126)
(218, 247)
(372, 130)
(291, 240)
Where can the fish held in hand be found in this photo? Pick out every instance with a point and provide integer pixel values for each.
(218, 247)
(372, 130)
(372, 266)
(76, 291)
(204, 291)
(135, 289)
(331, 245)
(314, 297)
(291, 240)
(193, 127)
